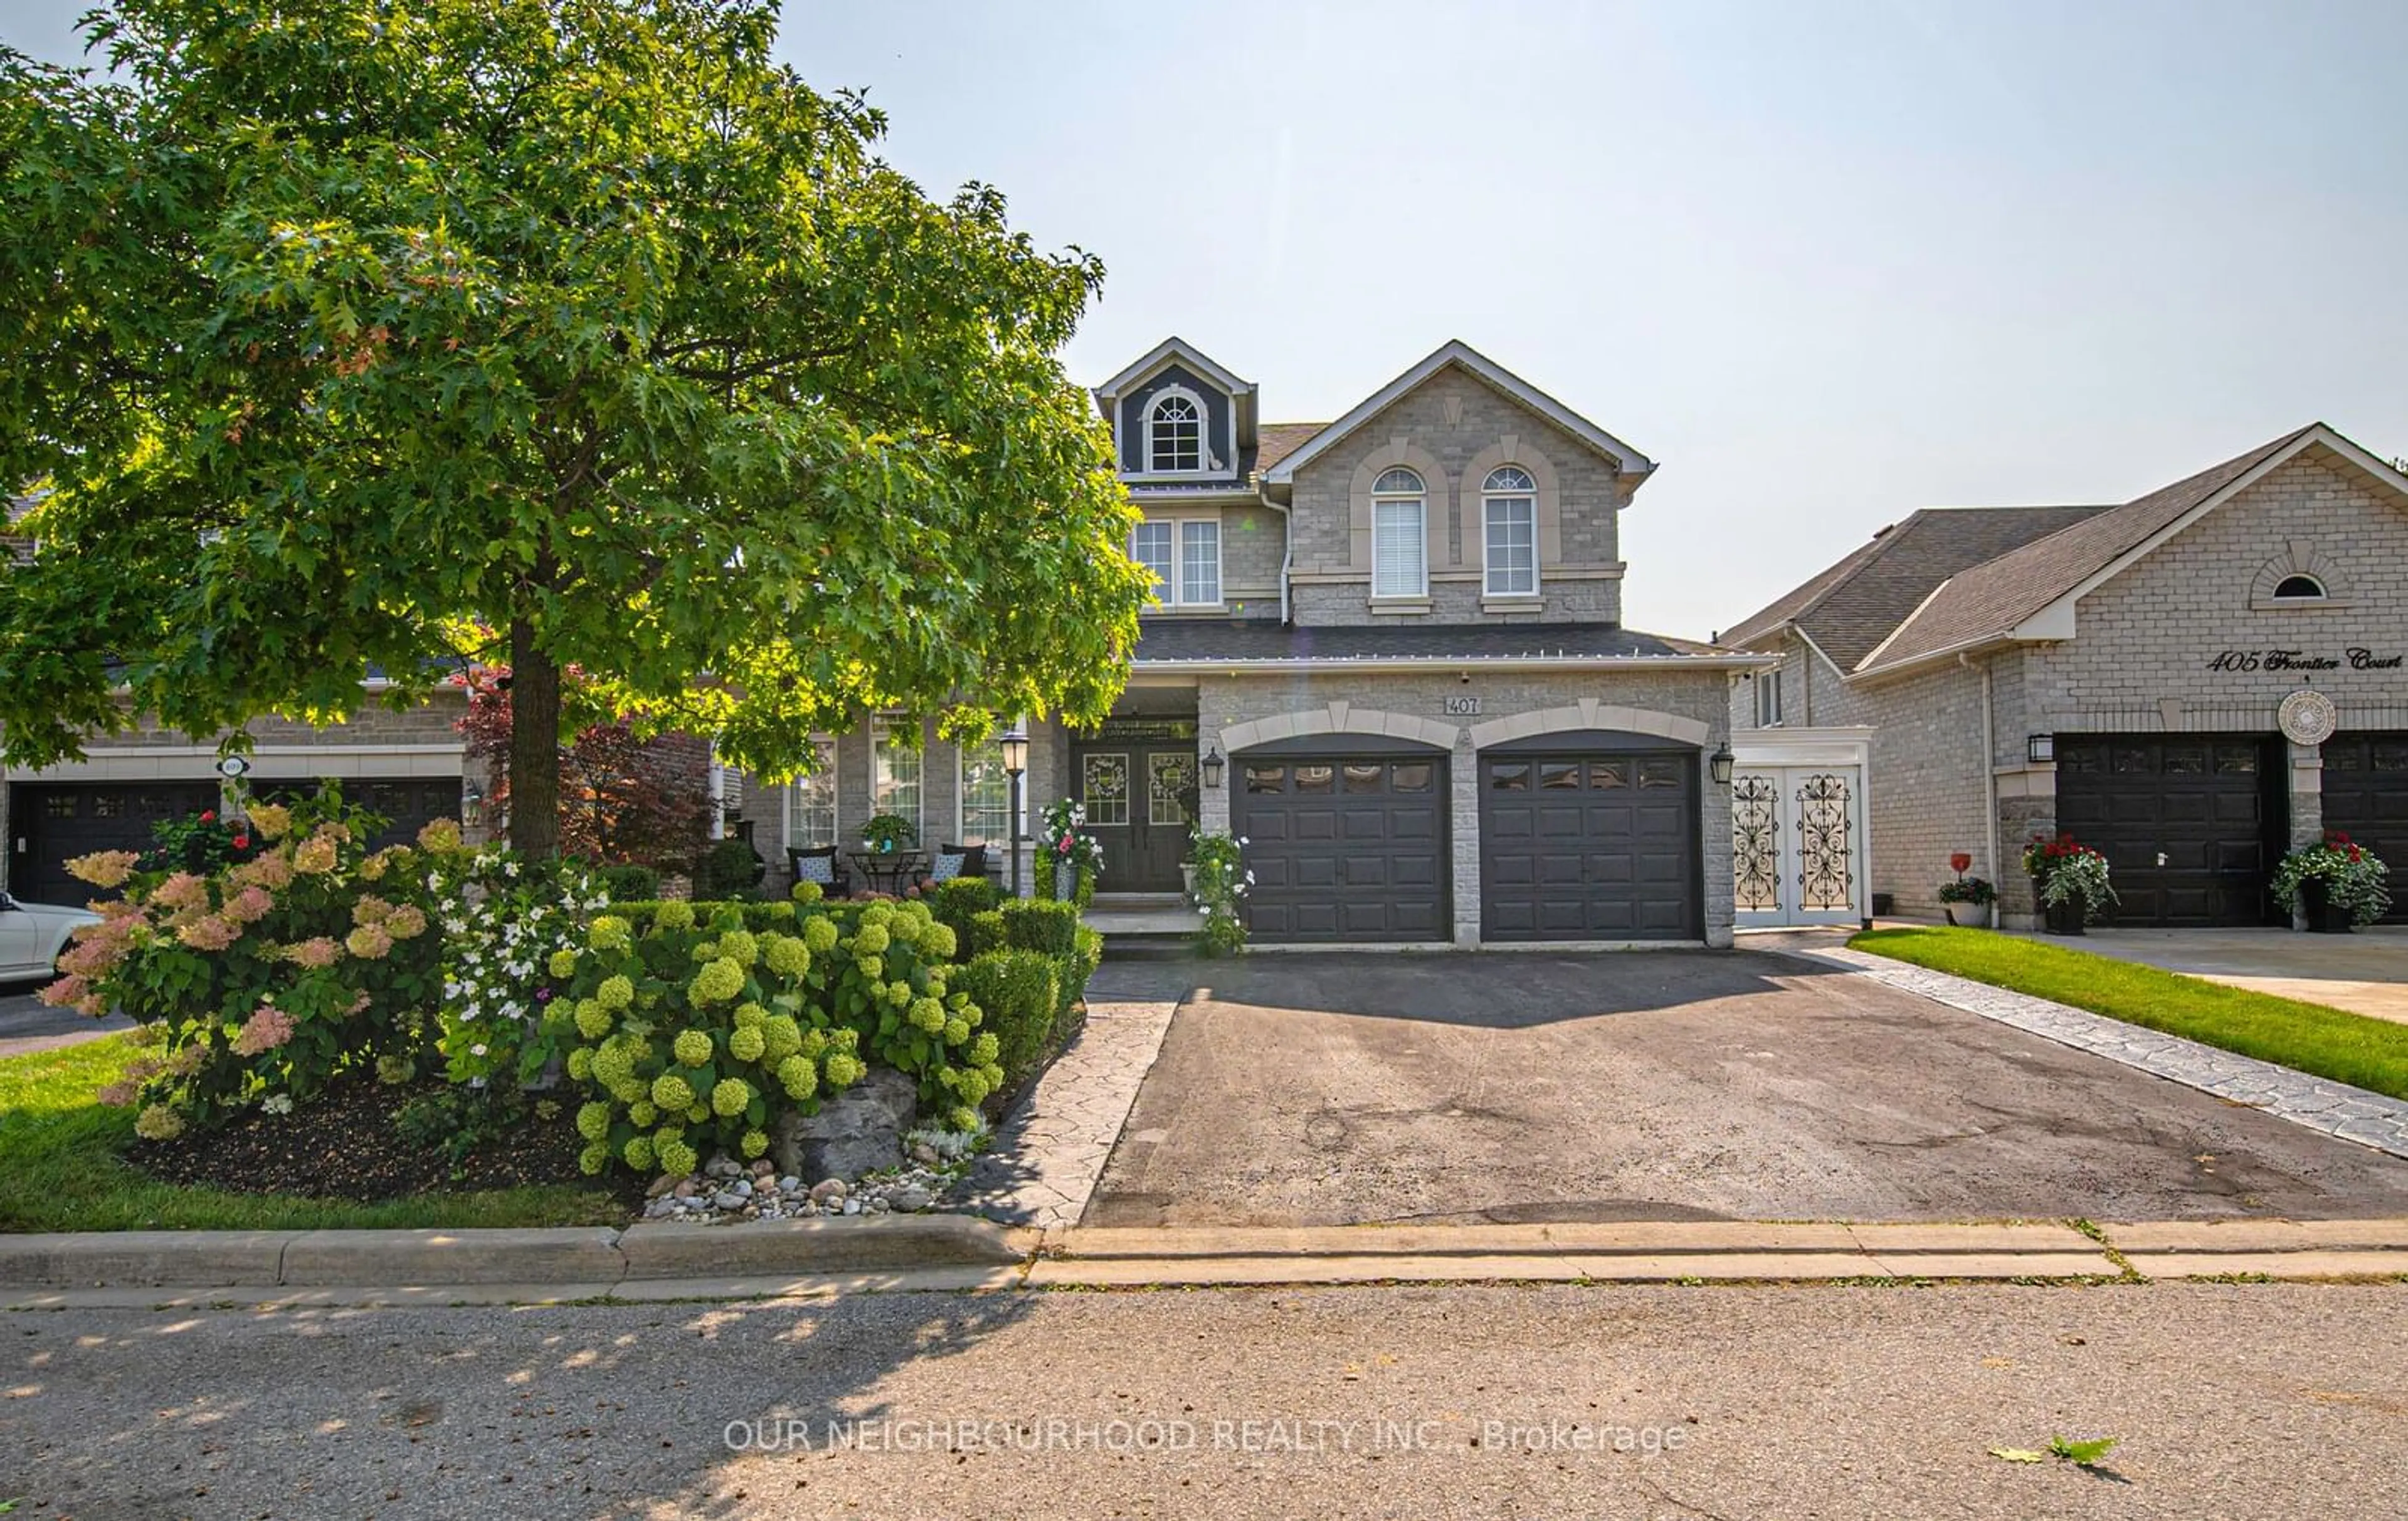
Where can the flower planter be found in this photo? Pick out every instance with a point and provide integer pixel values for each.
(1066, 882)
(2065, 918)
(1187, 880)
(2324, 915)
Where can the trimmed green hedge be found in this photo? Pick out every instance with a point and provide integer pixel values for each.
(629, 884)
(958, 901)
(1042, 925)
(1020, 992)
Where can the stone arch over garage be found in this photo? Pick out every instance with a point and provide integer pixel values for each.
(1589, 713)
(1339, 717)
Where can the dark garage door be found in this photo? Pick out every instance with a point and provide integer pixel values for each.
(51, 824)
(2209, 807)
(1589, 845)
(1345, 845)
(2366, 797)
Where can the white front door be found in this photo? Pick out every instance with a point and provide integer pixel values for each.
(1798, 845)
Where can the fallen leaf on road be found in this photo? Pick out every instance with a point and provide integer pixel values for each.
(2017, 1455)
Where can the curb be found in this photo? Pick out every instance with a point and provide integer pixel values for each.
(811, 1258)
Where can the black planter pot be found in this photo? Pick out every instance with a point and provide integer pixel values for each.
(2324, 915)
(2065, 918)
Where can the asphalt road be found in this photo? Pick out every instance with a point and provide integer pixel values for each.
(1323, 1090)
(26, 1024)
(1830, 1401)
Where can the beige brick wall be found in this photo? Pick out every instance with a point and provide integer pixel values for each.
(1456, 429)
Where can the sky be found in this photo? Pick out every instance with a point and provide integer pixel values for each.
(1826, 263)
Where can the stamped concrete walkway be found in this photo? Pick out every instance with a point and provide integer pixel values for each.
(1045, 1160)
(2370, 1119)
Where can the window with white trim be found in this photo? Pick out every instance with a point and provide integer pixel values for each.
(985, 795)
(1767, 699)
(1509, 510)
(2299, 587)
(1185, 554)
(1174, 434)
(1400, 536)
(894, 771)
(811, 800)
(1149, 546)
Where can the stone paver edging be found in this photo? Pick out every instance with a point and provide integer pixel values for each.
(1042, 1167)
(2354, 1115)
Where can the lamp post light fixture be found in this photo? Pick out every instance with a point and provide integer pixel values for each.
(1211, 766)
(2039, 748)
(472, 806)
(1015, 765)
(1720, 766)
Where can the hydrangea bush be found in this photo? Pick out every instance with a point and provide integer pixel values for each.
(889, 979)
(257, 982)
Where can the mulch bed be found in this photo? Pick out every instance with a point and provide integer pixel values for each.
(344, 1145)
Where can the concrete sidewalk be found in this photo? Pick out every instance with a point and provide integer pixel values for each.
(803, 1258)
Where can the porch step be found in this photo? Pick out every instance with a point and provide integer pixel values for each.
(1149, 945)
(1136, 902)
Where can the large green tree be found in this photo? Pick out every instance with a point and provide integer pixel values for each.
(354, 337)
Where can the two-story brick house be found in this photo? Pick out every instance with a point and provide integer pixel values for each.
(2193, 682)
(1388, 653)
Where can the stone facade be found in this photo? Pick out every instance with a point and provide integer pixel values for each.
(1452, 430)
(1368, 701)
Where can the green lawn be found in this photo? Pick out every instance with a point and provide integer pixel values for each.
(2308, 1037)
(61, 1170)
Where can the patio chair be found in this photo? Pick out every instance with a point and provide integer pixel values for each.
(820, 865)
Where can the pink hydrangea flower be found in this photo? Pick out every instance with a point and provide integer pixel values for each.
(369, 942)
(370, 909)
(120, 1094)
(406, 922)
(182, 891)
(103, 869)
(209, 932)
(250, 905)
(320, 952)
(266, 1029)
(273, 873)
(315, 855)
(67, 993)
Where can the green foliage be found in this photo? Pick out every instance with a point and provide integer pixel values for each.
(200, 842)
(888, 832)
(889, 974)
(957, 902)
(1221, 879)
(731, 868)
(629, 884)
(1020, 992)
(1973, 890)
(260, 982)
(2085, 1454)
(2354, 879)
(1085, 958)
(2328, 1042)
(459, 1120)
(511, 929)
(503, 330)
(1040, 925)
(754, 916)
(987, 933)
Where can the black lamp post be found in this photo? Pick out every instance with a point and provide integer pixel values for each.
(1015, 765)
(1720, 764)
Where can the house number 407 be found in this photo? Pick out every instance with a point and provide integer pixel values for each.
(1463, 706)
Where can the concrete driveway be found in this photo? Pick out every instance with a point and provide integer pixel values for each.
(1327, 1089)
(2365, 973)
(28, 1024)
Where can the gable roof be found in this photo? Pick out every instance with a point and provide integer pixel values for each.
(1853, 605)
(1457, 351)
(1187, 353)
(1994, 600)
(1276, 441)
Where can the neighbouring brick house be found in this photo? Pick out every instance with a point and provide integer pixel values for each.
(1389, 654)
(2123, 673)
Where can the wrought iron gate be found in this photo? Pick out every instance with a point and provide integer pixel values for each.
(1798, 845)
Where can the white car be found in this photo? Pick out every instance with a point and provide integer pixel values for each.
(32, 936)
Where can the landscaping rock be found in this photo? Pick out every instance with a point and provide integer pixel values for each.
(727, 1199)
(912, 1197)
(857, 1131)
(827, 1190)
(662, 1184)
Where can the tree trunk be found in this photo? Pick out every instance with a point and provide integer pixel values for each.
(534, 746)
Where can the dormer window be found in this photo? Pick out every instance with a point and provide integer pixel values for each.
(1174, 434)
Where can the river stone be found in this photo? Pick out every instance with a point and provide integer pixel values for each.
(858, 1130)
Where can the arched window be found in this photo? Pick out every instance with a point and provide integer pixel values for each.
(1399, 538)
(1174, 434)
(2300, 589)
(1508, 511)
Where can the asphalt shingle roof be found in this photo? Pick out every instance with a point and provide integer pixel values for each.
(1992, 598)
(1853, 605)
(1276, 441)
(1213, 639)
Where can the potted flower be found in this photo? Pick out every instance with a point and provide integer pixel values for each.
(1965, 889)
(1063, 840)
(2070, 879)
(888, 832)
(2336, 885)
(1221, 879)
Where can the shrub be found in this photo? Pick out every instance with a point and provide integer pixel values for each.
(730, 869)
(1083, 964)
(629, 884)
(203, 843)
(263, 977)
(753, 915)
(1221, 879)
(888, 976)
(1042, 925)
(1020, 992)
(957, 902)
(511, 933)
(986, 934)
(697, 1034)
